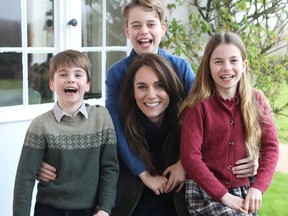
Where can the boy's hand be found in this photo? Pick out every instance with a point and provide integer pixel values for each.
(46, 172)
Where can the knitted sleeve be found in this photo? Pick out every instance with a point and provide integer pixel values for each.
(269, 151)
(109, 167)
(29, 162)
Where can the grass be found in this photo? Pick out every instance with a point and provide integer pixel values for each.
(274, 199)
(10, 83)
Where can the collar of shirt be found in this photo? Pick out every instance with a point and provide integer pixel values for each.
(59, 113)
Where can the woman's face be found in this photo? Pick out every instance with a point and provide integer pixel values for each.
(150, 95)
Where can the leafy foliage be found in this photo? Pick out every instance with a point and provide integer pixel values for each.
(263, 26)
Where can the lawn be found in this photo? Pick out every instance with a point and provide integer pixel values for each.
(274, 199)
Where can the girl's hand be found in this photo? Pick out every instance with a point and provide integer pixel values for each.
(177, 176)
(156, 183)
(101, 213)
(233, 202)
(46, 172)
(253, 200)
(245, 167)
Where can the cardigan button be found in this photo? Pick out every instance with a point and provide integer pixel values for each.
(232, 122)
(227, 182)
(229, 167)
(231, 143)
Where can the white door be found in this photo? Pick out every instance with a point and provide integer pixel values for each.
(34, 30)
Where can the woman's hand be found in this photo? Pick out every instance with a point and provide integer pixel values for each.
(253, 200)
(176, 177)
(46, 172)
(156, 183)
(245, 167)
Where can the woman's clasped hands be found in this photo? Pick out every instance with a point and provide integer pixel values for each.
(173, 177)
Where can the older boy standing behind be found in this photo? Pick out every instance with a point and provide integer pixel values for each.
(77, 139)
(144, 27)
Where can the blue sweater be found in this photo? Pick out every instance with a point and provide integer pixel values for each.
(114, 79)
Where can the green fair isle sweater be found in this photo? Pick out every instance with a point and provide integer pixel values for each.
(84, 153)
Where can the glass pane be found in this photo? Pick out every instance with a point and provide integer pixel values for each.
(95, 90)
(91, 23)
(115, 23)
(113, 57)
(10, 23)
(10, 79)
(40, 23)
(38, 78)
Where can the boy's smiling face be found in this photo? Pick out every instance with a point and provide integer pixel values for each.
(144, 30)
(70, 85)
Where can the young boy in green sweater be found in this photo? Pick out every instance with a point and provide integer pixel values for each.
(78, 139)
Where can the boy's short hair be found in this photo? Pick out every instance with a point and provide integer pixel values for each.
(70, 58)
(148, 5)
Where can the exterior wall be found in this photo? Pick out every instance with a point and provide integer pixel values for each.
(11, 139)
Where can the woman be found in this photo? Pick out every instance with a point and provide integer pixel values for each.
(150, 99)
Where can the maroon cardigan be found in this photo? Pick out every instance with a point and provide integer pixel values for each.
(213, 139)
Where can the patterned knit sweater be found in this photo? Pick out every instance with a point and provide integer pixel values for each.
(84, 153)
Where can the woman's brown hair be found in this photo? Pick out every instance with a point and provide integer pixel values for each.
(130, 113)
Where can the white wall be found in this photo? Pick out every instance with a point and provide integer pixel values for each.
(11, 139)
(14, 122)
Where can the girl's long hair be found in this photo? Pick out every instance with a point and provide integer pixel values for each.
(130, 113)
(204, 88)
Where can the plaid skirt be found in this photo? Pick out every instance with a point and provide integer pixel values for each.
(200, 203)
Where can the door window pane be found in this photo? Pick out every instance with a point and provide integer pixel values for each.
(96, 65)
(10, 23)
(11, 79)
(92, 18)
(92, 23)
(113, 57)
(115, 24)
(38, 78)
(40, 23)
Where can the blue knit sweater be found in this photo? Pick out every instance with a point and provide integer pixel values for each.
(114, 79)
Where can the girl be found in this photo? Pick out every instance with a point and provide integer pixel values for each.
(225, 119)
